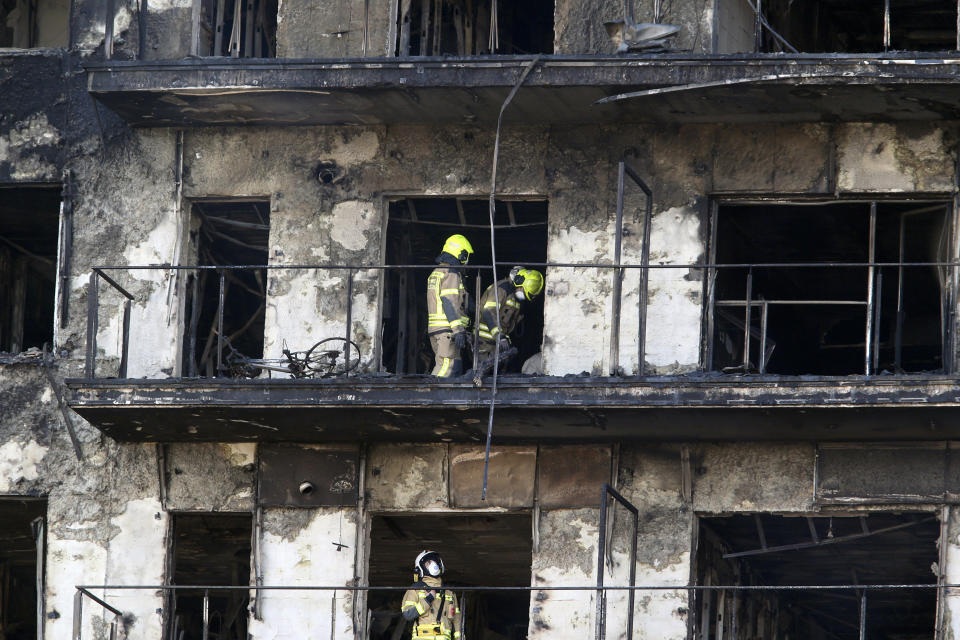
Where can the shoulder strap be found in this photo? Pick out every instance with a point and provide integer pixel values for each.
(442, 603)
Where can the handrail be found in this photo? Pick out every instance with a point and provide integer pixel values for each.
(870, 299)
(860, 589)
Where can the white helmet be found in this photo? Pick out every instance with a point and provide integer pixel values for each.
(428, 563)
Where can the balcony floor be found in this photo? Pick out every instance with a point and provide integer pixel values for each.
(542, 409)
(561, 89)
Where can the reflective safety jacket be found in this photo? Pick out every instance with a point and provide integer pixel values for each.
(446, 301)
(510, 313)
(437, 620)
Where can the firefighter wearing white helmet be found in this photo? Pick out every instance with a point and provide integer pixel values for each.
(434, 610)
(447, 303)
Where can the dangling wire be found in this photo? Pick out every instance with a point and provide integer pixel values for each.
(493, 266)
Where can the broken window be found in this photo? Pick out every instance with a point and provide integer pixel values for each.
(762, 549)
(210, 549)
(29, 226)
(224, 233)
(829, 320)
(416, 230)
(843, 26)
(477, 550)
(21, 567)
(28, 24)
(473, 27)
(238, 28)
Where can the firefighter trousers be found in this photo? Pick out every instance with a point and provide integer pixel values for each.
(447, 360)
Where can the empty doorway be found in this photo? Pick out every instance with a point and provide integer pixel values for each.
(29, 228)
(21, 567)
(226, 233)
(477, 550)
(416, 230)
(210, 549)
(815, 316)
(845, 549)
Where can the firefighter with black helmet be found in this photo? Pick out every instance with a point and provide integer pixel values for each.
(434, 610)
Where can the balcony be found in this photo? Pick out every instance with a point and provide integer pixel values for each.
(685, 88)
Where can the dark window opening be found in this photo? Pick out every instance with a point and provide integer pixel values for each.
(818, 320)
(226, 233)
(21, 566)
(857, 26)
(889, 549)
(433, 28)
(238, 28)
(477, 550)
(210, 549)
(416, 230)
(29, 24)
(29, 227)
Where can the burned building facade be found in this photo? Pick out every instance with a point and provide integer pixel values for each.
(745, 351)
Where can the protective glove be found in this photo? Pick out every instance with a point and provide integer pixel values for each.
(460, 340)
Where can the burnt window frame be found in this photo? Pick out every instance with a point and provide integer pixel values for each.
(188, 286)
(766, 39)
(41, 539)
(61, 256)
(215, 42)
(950, 290)
(33, 25)
(810, 534)
(404, 38)
(385, 202)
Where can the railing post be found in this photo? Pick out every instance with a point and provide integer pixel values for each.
(108, 32)
(863, 615)
(77, 614)
(220, 332)
(92, 311)
(125, 347)
(601, 547)
(617, 276)
(206, 614)
(871, 258)
(346, 344)
(644, 280)
(476, 322)
(746, 323)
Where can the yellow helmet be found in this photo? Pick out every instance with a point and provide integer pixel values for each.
(530, 280)
(459, 247)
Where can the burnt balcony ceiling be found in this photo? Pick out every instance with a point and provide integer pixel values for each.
(561, 89)
(571, 408)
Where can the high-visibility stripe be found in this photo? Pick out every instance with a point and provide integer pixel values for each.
(420, 608)
(490, 304)
(512, 303)
(444, 369)
(447, 292)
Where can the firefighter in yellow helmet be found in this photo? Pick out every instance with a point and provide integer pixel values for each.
(447, 304)
(434, 610)
(520, 287)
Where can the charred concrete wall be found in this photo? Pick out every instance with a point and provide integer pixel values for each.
(108, 517)
(341, 221)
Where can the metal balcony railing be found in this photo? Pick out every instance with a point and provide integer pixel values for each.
(859, 593)
(750, 305)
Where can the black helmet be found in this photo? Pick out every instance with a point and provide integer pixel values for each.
(428, 563)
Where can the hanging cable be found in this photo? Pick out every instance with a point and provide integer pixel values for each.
(493, 265)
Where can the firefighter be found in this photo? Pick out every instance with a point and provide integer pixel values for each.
(447, 304)
(522, 286)
(435, 610)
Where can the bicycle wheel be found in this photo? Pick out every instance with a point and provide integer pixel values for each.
(328, 358)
